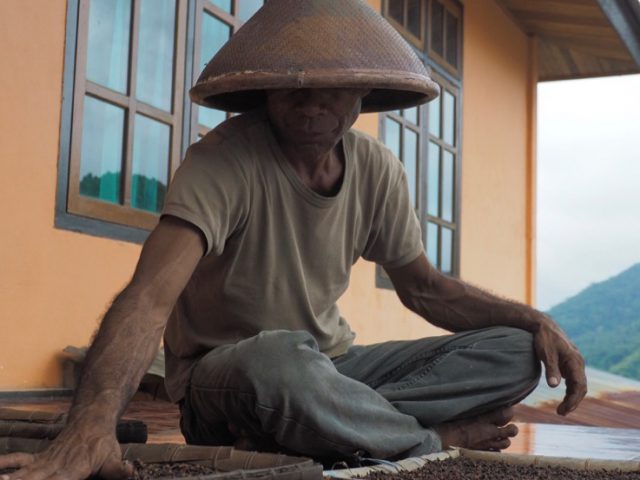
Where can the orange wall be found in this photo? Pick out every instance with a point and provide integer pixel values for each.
(497, 113)
(55, 284)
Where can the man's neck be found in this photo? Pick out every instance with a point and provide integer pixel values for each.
(319, 168)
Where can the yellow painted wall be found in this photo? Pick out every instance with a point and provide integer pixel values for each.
(497, 113)
(55, 284)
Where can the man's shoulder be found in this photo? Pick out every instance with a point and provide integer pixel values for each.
(233, 142)
(235, 131)
(371, 154)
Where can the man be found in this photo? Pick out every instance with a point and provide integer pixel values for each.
(261, 226)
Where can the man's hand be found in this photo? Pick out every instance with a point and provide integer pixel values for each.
(75, 455)
(561, 359)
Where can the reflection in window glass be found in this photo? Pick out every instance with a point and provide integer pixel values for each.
(410, 160)
(433, 180)
(246, 8)
(215, 34)
(223, 4)
(446, 250)
(411, 114)
(396, 10)
(434, 117)
(154, 83)
(108, 43)
(414, 17)
(449, 119)
(102, 147)
(150, 168)
(452, 40)
(437, 19)
(392, 136)
(432, 243)
(447, 186)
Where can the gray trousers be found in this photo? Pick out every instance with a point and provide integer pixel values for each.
(381, 399)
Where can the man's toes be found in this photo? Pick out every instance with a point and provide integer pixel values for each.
(498, 417)
(510, 430)
(501, 444)
(503, 416)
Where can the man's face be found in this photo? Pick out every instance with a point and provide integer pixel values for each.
(313, 117)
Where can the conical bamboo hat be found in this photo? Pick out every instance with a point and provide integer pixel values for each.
(315, 44)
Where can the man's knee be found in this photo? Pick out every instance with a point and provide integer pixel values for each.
(271, 358)
(518, 345)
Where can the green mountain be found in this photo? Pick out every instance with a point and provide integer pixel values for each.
(603, 320)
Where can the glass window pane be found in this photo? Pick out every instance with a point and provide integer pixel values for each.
(432, 243)
(108, 43)
(392, 136)
(411, 114)
(246, 8)
(446, 251)
(414, 17)
(449, 119)
(433, 180)
(150, 167)
(447, 186)
(215, 34)
(410, 160)
(396, 10)
(223, 4)
(452, 40)
(101, 151)
(437, 29)
(434, 117)
(154, 83)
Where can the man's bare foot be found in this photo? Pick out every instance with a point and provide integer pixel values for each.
(490, 431)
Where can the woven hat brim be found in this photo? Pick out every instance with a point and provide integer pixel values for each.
(244, 91)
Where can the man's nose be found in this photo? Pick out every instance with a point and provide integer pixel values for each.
(312, 103)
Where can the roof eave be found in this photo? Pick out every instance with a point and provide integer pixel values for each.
(624, 16)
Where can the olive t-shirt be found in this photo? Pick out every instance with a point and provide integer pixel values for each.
(279, 255)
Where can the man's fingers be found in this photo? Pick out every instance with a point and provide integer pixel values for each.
(16, 460)
(32, 472)
(573, 371)
(552, 371)
(116, 470)
(571, 401)
(549, 357)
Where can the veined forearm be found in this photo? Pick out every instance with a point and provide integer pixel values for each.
(120, 354)
(455, 306)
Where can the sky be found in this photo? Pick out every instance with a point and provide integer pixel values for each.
(588, 197)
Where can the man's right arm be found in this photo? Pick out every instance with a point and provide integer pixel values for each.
(120, 354)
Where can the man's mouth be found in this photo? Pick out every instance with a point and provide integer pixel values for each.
(316, 126)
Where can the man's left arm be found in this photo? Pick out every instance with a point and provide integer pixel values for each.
(454, 305)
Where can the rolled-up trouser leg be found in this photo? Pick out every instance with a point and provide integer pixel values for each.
(278, 385)
(450, 377)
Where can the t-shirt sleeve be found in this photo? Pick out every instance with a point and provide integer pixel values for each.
(209, 190)
(395, 239)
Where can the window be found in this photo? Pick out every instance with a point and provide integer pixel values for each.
(440, 215)
(408, 16)
(127, 120)
(445, 34)
(427, 138)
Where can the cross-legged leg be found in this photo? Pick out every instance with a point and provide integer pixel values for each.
(277, 385)
(471, 375)
(439, 379)
(383, 399)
